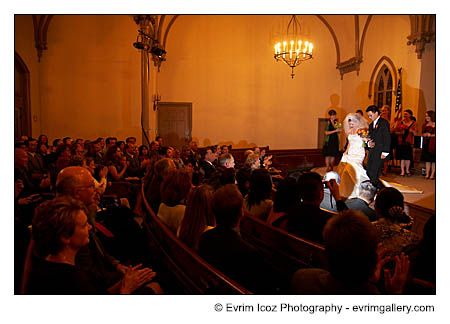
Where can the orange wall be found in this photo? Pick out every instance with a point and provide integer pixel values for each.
(88, 83)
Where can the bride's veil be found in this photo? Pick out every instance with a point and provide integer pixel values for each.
(358, 121)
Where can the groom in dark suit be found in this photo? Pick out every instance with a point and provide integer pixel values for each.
(379, 145)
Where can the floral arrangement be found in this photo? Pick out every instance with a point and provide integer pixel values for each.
(338, 125)
(364, 134)
(401, 127)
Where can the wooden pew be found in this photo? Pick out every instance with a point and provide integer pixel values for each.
(286, 252)
(289, 253)
(192, 272)
(420, 215)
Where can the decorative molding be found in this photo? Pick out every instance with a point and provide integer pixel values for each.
(336, 42)
(423, 31)
(363, 37)
(390, 64)
(350, 65)
(41, 23)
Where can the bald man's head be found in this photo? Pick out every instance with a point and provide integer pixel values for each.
(76, 182)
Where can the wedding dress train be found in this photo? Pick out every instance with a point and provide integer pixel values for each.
(350, 167)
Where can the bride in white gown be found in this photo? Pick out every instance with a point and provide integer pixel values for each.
(350, 167)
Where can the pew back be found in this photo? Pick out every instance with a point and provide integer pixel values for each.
(193, 273)
(286, 252)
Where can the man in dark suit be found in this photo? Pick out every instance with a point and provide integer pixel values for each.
(207, 163)
(306, 219)
(379, 145)
(134, 168)
(365, 197)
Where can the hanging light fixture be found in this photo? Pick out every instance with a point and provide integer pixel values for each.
(293, 48)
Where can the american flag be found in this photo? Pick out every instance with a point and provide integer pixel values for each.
(398, 103)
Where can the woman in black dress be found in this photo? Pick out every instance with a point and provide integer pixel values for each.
(331, 143)
(429, 144)
(406, 131)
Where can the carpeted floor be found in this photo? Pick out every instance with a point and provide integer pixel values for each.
(426, 199)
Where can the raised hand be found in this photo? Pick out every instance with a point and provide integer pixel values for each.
(381, 261)
(395, 284)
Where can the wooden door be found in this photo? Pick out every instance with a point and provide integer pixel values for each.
(322, 123)
(22, 115)
(175, 123)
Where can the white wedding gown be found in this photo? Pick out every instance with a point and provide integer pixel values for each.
(350, 167)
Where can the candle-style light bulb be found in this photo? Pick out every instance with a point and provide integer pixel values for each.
(310, 48)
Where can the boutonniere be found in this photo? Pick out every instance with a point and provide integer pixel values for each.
(376, 126)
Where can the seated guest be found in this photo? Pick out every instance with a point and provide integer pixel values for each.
(258, 203)
(328, 202)
(42, 151)
(67, 140)
(167, 151)
(121, 145)
(243, 180)
(365, 197)
(198, 216)
(131, 140)
(95, 151)
(392, 222)
(63, 156)
(252, 161)
(160, 171)
(134, 168)
(174, 191)
(42, 140)
(286, 197)
(224, 248)
(100, 185)
(185, 154)
(80, 141)
(177, 158)
(51, 156)
(154, 146)
(159, 139)
(77, 149)
(117, 166)
(35, 161)
(60, 229)
(21, 172)
(143, 156)
(224, 173)
(225, 149)
(207, 167)
(110, 142)
(354, 266)
(77, 182)
(306, 219)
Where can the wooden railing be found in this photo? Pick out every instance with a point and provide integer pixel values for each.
(285, 160)
(420, 215)
(193, 273)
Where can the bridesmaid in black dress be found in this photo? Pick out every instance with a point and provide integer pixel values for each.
(331, 142)
(406, 131)
(429, 144)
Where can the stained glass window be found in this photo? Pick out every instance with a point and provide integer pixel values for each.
(383, 88)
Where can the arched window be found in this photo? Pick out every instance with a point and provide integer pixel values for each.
(383, 88)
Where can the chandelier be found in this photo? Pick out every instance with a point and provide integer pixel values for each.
(293, 49)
